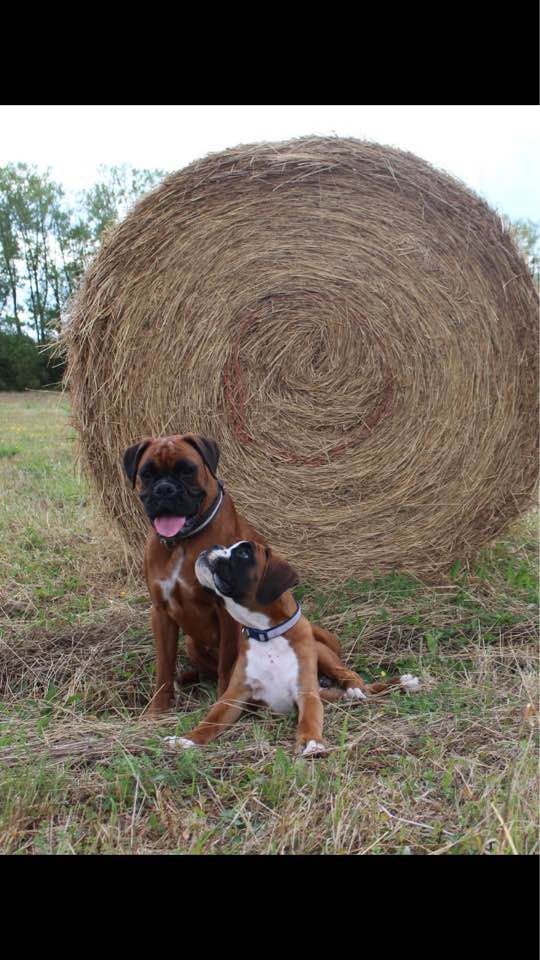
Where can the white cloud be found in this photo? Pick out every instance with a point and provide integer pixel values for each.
(494, 149)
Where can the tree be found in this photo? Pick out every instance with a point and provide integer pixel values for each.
(9, 251)
(526, 233)
(115, 192)
(29, 202)
(46, 242)
(21, 365)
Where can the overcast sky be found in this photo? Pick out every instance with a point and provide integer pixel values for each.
(493, 149)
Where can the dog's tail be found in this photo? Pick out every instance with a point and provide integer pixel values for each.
(358, 689)
(406, 682)
(331, 694)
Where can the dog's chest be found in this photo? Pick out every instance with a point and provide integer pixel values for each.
(173, 577)
(272, 673)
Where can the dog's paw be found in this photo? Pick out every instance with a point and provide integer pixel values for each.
(314, 749)
(355, 693)
(178, 743)
(409, 683)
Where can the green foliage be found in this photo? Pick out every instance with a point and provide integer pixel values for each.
(110, 198)
(46, 243)
(30, 205)
(526, 233)
(23, 364)
(20, 363)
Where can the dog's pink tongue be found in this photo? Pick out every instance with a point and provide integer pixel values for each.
(169, 526)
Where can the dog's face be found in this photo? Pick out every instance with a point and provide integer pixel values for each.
(248, 573)
(173, 476)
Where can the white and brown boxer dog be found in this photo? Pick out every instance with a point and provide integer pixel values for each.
(278, 654)
(189, 511)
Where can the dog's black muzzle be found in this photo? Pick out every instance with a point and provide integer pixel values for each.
(168, 498)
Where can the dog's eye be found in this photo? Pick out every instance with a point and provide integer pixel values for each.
(146, 472)
(243, 553)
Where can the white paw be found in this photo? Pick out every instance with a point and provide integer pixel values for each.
(313, 747)
(178, 743)
(409, 683)
(355, 693)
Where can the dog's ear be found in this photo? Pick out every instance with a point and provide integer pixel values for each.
(278, 576)
(207, 448)
(132, 458)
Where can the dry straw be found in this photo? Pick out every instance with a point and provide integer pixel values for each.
(355, 328)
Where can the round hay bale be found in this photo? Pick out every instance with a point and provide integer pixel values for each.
(355, 328)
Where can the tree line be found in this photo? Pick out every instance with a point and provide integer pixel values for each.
(46, 242)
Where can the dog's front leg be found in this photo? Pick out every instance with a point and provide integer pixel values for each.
(218, 719)
(309, 739)
(229, 638)
(166, 642)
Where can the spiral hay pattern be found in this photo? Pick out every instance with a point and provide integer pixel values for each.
(355, 328)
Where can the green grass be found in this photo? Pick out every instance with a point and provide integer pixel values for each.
(450, 770)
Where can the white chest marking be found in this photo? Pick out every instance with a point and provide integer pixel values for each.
(168, 585)
(272, 673)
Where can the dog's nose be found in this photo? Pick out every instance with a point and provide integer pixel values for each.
(163, 488)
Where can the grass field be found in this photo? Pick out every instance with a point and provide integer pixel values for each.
(451, 770)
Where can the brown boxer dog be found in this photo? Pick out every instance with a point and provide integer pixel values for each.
(189, 511)
(278, 654)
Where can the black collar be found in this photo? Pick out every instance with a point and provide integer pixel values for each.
(204, 520)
